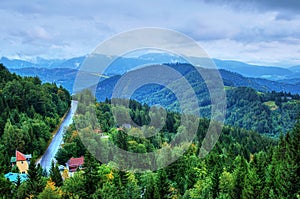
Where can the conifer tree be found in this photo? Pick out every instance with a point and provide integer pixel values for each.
(55, 175)
(35, 184)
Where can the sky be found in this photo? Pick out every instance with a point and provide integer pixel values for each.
(264, 32)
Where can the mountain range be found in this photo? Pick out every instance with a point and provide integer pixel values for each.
(234, 73)
(264, 111)
(123, 64)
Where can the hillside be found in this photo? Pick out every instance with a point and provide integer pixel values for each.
(30, 112)
(240, 162)
(60, 76)
(246, 107)
(156, 94)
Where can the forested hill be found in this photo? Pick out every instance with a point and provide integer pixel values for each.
(243, 164)
(30, 111)
(266, 112)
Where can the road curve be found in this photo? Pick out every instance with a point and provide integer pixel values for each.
(46, 160)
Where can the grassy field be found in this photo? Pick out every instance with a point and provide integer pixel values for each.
(271, 105)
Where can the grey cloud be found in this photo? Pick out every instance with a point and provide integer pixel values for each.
(66, 28)
(280, 4)
(284, 16)
(263, 5)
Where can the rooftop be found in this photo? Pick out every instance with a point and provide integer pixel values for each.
(76, 161)
(20, 157)
(13, 177)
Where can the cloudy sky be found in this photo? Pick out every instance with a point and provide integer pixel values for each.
(259, 31)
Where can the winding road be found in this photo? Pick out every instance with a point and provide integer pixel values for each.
(46, 160)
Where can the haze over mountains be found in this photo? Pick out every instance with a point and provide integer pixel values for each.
(121, 64)
(234, 73)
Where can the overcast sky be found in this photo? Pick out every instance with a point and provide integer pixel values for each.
(260, 31)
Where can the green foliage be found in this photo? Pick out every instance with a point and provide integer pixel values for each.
(55, 175)
(242, 164)
(149, 185)
(91, 177)
(5, 187)
(74, 187)
(30, 111)
(49, 192)
(268, 113)
(62, 156)
(35, 184)
(264, 112)
(73, 146)
(239, 166)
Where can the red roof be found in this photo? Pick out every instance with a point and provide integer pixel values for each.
(20, 156)
(76, 161)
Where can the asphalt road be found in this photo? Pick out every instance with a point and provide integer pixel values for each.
(46, 160)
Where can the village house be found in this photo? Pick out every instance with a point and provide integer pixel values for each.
(21, 161)
(74, 164)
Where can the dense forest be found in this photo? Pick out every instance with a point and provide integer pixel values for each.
(249, 106)
(242, 164)
(30, 112)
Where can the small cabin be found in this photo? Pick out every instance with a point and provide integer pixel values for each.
(22, 161)
(74, 164)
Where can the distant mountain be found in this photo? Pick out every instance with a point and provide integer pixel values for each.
(121, 65)
(295, 81)
(242, 74)
(16, 63)
(248, 70)
(295, 69)
(72, 63)
(229, 78)
(259, 84)
(60, 76)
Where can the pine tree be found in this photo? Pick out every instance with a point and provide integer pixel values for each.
(132, 190)
(91, 177)
(252, 185)
(55, 175)
(5, 187)
(239, 177)
(226, 184)
(294, 153)
(150, 189)
(163, 183)
(35, 184)
(18, 183)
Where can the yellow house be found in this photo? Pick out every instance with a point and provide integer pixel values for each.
(22, 161)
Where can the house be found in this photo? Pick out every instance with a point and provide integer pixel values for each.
(21, 161)
(13, 177)
(74, 164)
